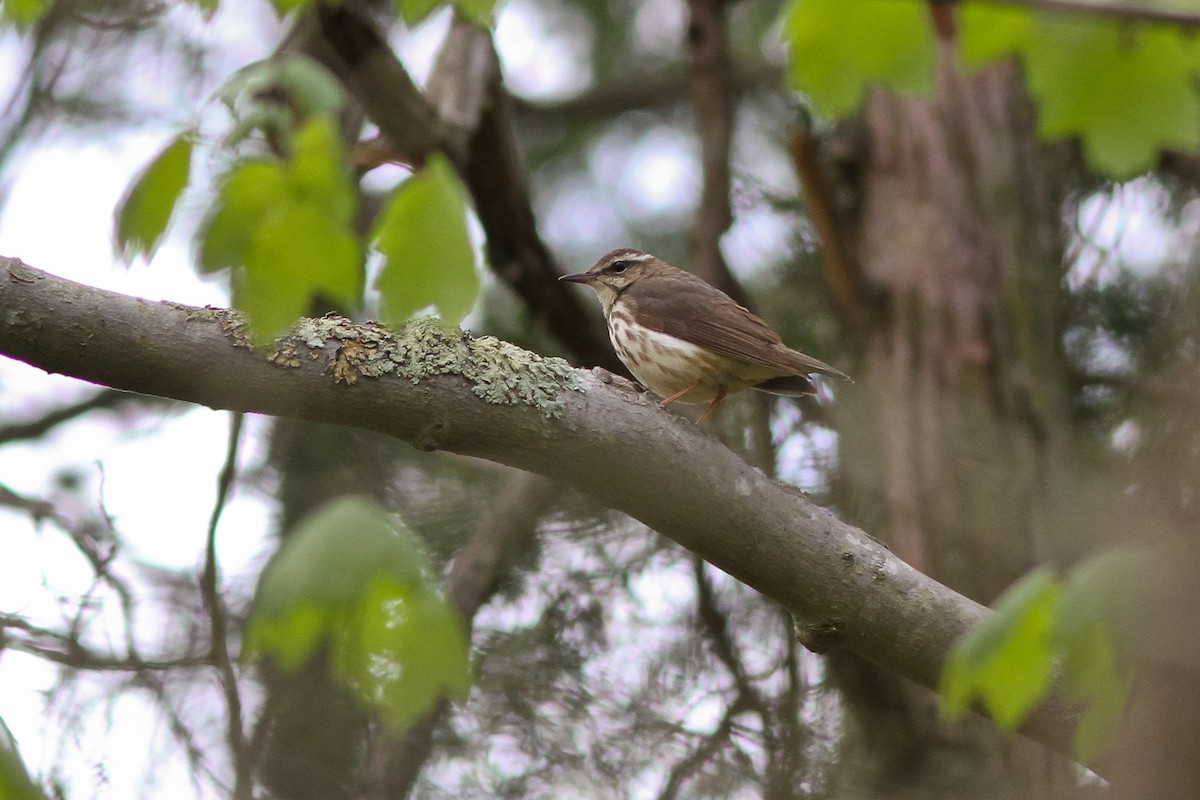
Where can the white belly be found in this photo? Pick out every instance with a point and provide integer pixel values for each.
(665, 364)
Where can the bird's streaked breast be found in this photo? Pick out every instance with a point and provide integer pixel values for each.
(666, 365)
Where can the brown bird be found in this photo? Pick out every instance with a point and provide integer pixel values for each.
(688, 341)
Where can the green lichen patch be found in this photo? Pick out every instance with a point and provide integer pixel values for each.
(232, 323)
(499, 372)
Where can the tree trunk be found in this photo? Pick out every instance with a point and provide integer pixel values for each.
(951, 439)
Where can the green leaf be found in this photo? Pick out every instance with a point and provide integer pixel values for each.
(285, 7)
(286, 230)
(1104, 605)
(427, 254)
(1005, 661)
(297, 253)
(478, 11)
(1126, 90)
(275, 94)
(989, 32)
(413, 11)
(352, 579)
(481, 12)
(1097, 675)
(15, 783)
(838, 49)
(144, 212)
(1113, 587)
(207, 7)
(310, 84)
(23, 13)
(245, 195)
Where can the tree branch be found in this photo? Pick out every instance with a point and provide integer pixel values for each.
(218, 618)
(36, 428)
(712, 101)
(843, 588)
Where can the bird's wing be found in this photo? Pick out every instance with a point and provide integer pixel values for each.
(710, 319)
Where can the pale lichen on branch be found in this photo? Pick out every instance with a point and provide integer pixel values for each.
(499, 372)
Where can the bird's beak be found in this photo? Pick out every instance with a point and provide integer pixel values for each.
(578, 277)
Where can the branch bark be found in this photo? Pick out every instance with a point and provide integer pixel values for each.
(844, 589)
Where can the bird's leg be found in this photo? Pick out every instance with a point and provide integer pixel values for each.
(712, 406)
(668, 400)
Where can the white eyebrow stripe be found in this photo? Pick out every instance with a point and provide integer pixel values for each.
(633, 257)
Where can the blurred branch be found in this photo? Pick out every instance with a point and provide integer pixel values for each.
(844, 589)
(503, 534)
(658, 90)
(93, 534)
(104, 399)
(855, 300)
(38, 509)
(707, 748)
(716, 629)
(346, 41)
(218, 618)
(153, 683)
(66, 649)
(712, 100)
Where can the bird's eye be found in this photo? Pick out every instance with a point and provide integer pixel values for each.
(618, 266)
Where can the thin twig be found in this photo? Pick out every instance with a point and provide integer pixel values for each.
(695, 760)
(67, 650)
(104, 399)
(219, 618)
(716, 629)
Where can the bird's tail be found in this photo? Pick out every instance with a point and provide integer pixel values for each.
(807, 364)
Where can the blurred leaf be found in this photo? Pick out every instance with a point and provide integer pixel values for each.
(413, 11)
(286, 231)
(1104, 604)
(1095, 674)
(990, 32)
(144, 212)
(277, 93)
(481, 12)
(298, 253)
(207, 7)
(1113, 588)
(351, 578)
(836, 50)
(402, 650)
(427, 254)
(309, 83)
(245, 196)
(478, 11)
(1126, 90)
(285, 7)
(23, 13)
(1006, 660)
(15, 783)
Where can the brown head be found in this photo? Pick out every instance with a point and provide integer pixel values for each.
(613, 274)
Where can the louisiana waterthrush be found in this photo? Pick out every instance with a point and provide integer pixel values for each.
(688, 341)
